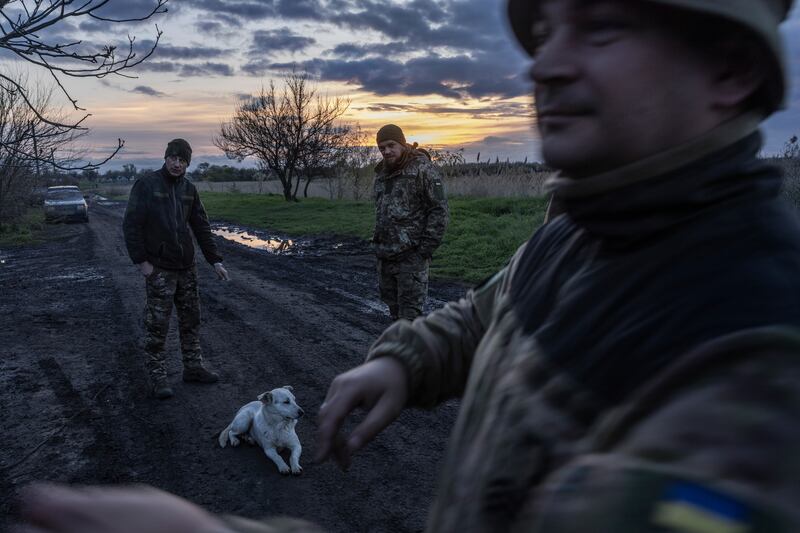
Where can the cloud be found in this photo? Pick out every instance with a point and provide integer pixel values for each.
(187, 70)
(457, 77)
(491, 110)
(206, 69)
(149, 91)
(268, 42)
(359, 51)
(246, 10)
(208, 26)
(168, 51)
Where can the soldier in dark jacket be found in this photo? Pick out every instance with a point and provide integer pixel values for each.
(162, 209)
(411, 216)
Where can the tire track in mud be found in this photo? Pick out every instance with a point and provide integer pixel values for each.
(281, 320)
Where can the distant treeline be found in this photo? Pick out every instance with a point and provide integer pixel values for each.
(225, 173)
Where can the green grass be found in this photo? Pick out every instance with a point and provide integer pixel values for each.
(25, 230)
(483, 232)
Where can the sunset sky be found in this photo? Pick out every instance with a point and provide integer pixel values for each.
(447, 71)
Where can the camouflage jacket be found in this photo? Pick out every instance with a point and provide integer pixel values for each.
(411, 212)
(160, 212)
(635, 367)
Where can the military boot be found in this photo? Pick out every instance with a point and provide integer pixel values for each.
(199, 374)
(161, 389)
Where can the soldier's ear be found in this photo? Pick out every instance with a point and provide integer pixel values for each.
(265, 397)
(288, 387)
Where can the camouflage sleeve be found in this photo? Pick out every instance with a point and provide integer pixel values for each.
(711, 446)
(437, 214)
(437, 350)
(134, 221)
(198, 220)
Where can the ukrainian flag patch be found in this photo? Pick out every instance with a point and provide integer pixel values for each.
(691, 508)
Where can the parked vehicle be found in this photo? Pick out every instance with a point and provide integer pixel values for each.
(65, 202)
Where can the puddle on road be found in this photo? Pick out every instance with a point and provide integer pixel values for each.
(275, 244)
(270, 244)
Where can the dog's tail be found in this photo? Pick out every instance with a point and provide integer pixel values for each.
(223, 437)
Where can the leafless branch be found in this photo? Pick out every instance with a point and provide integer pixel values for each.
(24, 25)
(288, 131)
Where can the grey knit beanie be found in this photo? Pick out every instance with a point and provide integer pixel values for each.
(180, 148)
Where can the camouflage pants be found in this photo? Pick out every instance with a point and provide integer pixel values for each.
(404, 286)
(165, 288)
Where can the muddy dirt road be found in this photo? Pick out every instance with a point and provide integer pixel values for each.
(73, 388)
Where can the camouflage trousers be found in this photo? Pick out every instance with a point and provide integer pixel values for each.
(404, 286)
(166, 288)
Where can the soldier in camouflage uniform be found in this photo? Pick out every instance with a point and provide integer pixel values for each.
(162, 209)
(411, 216)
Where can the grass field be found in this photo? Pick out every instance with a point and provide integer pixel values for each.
(25, 230)
(482, 235)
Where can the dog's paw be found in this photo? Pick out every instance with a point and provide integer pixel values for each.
(234, 441)
(297, 470)
(284, 469)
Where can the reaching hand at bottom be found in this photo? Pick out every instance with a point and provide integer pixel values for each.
(379, 386)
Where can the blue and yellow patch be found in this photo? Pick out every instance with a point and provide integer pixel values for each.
(691, 508)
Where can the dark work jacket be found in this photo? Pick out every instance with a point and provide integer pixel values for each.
(160, 211)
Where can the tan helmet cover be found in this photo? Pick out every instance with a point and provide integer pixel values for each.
(763, 17)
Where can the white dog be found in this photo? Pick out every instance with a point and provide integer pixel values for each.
(269, 422)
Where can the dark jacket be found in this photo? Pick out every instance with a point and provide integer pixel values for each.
(160, 211)
(636, 357)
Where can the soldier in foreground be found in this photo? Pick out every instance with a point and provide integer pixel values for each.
(162, 208)
(636, 366)
(411, 216)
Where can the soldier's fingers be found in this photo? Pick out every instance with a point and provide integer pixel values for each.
(331, 415)
(340, 452)
(381, 415)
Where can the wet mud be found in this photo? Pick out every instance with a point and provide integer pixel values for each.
(73, 390)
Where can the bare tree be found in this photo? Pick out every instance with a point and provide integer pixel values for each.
(354, 165)
(27, 137)
(288, 131)
(322, 153)
(24, 27)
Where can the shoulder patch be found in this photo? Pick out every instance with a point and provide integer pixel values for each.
(691, 508)
(438, 189)
(638, 497)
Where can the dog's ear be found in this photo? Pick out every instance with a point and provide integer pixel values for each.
(288, 387)
(265, 397)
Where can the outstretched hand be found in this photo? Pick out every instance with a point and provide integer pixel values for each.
(221, 272)
(146, 268)
(128, 509)
(379, 386)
